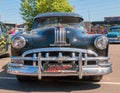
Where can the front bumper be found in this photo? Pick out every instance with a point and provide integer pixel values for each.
(101, 68)
(33, 71)
(114, 40)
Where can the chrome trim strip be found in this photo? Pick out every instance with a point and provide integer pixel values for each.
(59, 49)
(105, 64)
(112, 38)
(34, 59)
(114, 41)
(60, 37)
(39, 66)
(80, 66)
(60, 34)
(86, 59)
(55, 35)
(63, 58)
(33, 71)
(15, 65)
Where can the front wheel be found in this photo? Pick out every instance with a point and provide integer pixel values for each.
(96, 78)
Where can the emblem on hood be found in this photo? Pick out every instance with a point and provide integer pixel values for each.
(60, 37)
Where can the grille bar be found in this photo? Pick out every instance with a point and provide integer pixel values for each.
(62, 55)
(60, 36)
(80, 66)
(39, 66)
(59, 49)
(65, 58)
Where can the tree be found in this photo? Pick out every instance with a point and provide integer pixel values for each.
(30, 8)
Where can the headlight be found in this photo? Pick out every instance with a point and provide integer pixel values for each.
(101, 42)
(18, 42)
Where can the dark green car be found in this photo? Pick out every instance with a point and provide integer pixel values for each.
(4, 40)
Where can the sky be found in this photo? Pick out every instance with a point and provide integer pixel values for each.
(90, 10)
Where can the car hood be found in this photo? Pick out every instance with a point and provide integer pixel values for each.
(72, 38)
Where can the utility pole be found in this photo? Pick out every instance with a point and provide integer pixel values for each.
(89, 28)
(89, 15)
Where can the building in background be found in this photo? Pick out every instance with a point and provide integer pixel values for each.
(16, 27)
(10, 25)
(102, 27)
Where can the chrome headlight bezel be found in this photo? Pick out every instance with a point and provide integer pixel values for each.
(18, 42)
(101, 42)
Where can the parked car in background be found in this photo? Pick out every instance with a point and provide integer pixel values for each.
(4, 40)
(21, 30)
(58, 45)
(114, 34)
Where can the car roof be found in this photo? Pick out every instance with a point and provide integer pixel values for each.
(55, 14)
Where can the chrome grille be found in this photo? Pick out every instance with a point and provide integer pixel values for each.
(61, 55)
(76, 56)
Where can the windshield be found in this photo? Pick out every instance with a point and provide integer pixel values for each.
(115, 30)
(71, 22)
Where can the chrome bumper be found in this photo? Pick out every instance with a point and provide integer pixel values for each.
(114, 40)
(102, 67)
(33, 71)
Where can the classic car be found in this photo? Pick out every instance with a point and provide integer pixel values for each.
(4, 40)
(57, 46)
(114, 34)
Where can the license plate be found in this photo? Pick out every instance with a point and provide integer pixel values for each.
(60, 68)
